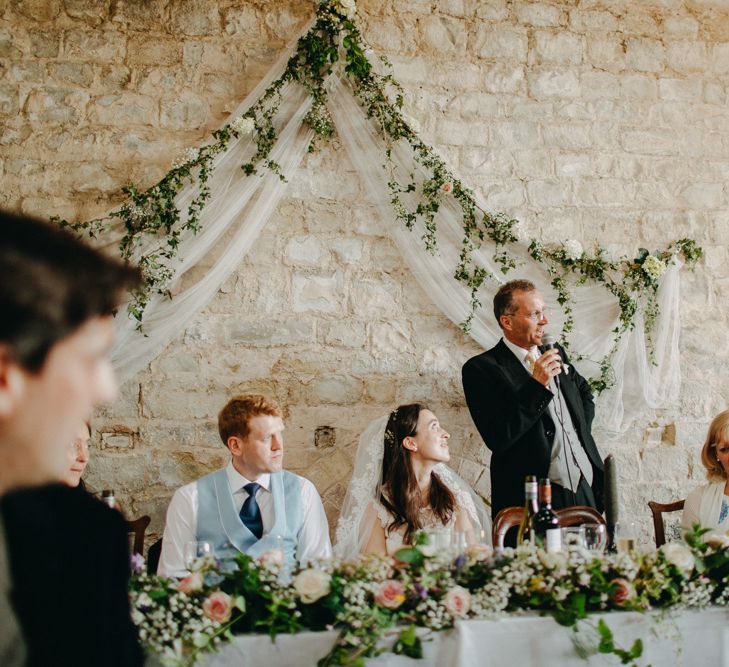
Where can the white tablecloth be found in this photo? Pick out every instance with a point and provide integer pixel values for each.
(699, 638)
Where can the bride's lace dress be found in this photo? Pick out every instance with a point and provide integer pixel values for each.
(395, 539)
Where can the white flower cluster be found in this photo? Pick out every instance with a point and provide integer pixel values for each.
(573, 249)
(243, 125)
(653, 267)
(697, 592)
(188, 156)
(347, 7)
(165, 629)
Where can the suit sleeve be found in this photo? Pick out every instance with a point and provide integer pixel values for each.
(502, 411)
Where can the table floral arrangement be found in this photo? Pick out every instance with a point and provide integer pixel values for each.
(378, 604)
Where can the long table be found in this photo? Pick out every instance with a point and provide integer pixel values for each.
(688, 638)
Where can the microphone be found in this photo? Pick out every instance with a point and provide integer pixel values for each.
(549, 342)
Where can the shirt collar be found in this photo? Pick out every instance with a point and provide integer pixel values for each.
(520, 352)
(238, 481)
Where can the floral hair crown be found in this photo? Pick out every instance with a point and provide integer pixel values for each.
(389, 435)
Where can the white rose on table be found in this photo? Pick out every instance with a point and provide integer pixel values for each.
(312, 584)
(717, 540)
(679, 555)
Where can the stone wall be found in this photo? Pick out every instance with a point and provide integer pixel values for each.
(603, 121)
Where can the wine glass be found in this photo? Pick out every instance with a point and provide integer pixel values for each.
(626, 536)
(595, 537)
(573, 536)
(196, 550)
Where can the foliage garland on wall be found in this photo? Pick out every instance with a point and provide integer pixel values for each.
(153, 214)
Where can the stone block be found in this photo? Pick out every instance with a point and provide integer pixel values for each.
(323, 294)
(520, 134)
(187, 111)
(9, 47)
(503, 195)
(141, 15)
(684, 27)
(44, 44)
(494, 163)
(124, 109)
(714, 93)
(597, 20)
(572, 165)
(78, 74)
(57, 105)
(348, 251)
(181, 403)
(539, 15)
(703, 195)
(114, 77)
(390, 337)
(9, 101)
(687, 57)
(720, 58)
(199, 18)
(599, 85)
(104, 46)
(679, 89)
(571, 136)
(242, 22)
(494, 10)
(564, 48)
(266, 333)
(116, 440)
(92, 13)
(380, 389)
(344, 333)
(303, 250)
(499, 43)
(154, 50)
(553, 83)
(443, 35)
(336, 389)
(547, 193)
(38, 10)
(460, 8)
(645, 55)
(504, 78)
(649, 142)
(285, 19)
(606, 53)
(638, 85)
(128, 473)
(374, 298)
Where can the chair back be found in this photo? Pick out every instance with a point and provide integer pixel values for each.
(510, 517)
(153, 556)
(139, 528)
(657, 510)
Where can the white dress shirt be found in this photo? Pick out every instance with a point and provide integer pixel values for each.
(181, 523)
(567, 464)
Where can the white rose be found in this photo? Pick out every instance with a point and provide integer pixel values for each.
(719, 540)
(458, 601)
(349, 8)
(312, 584)
(654, 267)
(679, 555)
(573, 249)
(243, 125)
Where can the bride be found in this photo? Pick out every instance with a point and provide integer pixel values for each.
(401, 485)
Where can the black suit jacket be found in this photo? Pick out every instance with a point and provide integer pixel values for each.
(69, 566)
(510, 410)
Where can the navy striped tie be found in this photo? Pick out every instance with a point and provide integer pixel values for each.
(250, 513)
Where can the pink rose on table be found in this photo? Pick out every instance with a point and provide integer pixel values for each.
(218, 606)
(390, 594)
(191, 583)
(622, 591)
(458, 601)
(446, 188)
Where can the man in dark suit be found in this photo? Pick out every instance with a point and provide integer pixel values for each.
(533, 410)
(57, 296)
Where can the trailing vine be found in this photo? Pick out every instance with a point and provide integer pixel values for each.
(153, 224)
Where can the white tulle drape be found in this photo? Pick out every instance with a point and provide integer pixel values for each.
(240, 206)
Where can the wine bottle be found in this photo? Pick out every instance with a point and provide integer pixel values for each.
(526, 528)
(546, 523)
(107, 496)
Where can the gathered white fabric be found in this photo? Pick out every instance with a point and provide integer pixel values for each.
(240, 206)
(362, 507)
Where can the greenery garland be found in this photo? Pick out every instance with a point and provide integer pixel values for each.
(377, 603)
(153, 214)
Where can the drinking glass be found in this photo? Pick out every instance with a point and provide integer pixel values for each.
(458, 541)
(595, 537)
(626, 534)
(573, 536)
(194, 551)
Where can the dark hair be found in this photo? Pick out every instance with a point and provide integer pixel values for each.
(238, 411)
(504, 298)
(403, 499)
(50, 284)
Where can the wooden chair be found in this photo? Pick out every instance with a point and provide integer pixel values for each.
(510, 517)
(139, 528)
(657, 510)
(153, 555)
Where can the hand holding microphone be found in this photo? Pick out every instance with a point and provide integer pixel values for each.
(549, 365)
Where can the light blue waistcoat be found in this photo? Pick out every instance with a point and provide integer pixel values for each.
(218, 521)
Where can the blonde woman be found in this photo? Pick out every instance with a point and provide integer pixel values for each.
(709, 504)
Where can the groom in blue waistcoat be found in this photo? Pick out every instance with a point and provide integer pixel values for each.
(252, 505)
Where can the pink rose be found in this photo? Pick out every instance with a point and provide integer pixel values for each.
(191, 583)
(390, 594)
(218, 606)
(623, 591)
(446, 188)
(271, 559)
(458, 601)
